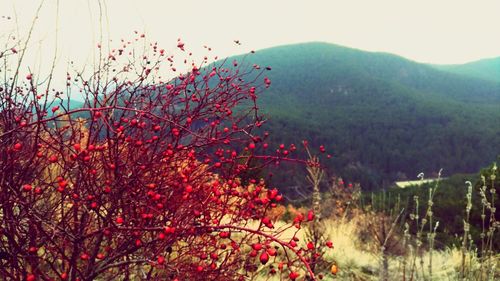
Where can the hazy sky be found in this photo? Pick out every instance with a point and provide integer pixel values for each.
(437, 31)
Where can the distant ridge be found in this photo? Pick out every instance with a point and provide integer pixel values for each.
(486, 69)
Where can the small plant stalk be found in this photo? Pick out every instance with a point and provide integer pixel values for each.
(466, 228)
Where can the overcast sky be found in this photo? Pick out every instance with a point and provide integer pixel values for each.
(436, 31)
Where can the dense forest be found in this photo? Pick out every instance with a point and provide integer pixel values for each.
(382, 117)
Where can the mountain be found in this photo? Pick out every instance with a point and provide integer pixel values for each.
(382, 117)
(486, 69)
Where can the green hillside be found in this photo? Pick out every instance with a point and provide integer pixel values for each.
(486, 69)
(382, 117)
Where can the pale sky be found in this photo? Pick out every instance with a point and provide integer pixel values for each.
(436, 31)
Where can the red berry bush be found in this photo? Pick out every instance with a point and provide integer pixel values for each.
(149, 179)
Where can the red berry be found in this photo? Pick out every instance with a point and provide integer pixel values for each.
(264, 258)
(271, 194)
(253, 253)
(214, 256)
(224, 234)
(175, 132)
(310, 215)
(161, 260)
(294, 275)
(299, 218)
(257, 246)
(169, 230)
(272, 252)
(62, 184)
(267, 81)
(180, 45)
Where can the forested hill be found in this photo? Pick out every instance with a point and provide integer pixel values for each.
(487, 69)
(382, 116)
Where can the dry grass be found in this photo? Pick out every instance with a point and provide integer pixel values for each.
(356, 263)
